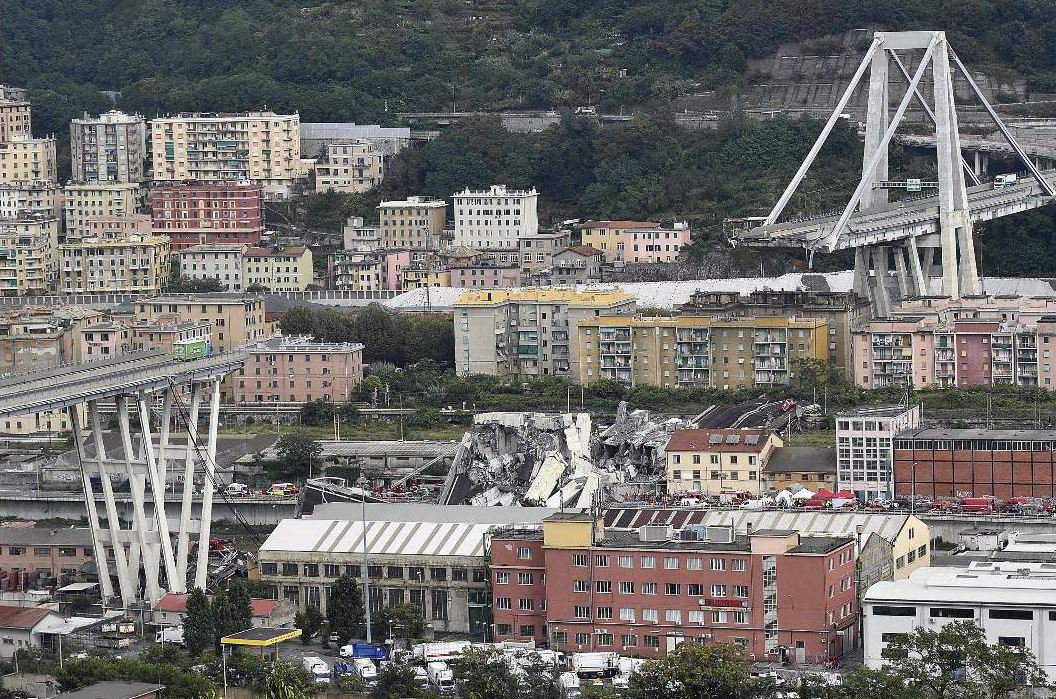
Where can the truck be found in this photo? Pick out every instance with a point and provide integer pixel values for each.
(1002, 181)
(568, 684)
(439, 650)
(365, 668)
(318, 669)
(194, 348)
(358, 649)
(170, 634)
(441, 679)
(982, 505)
(591, 665)
(626, 667)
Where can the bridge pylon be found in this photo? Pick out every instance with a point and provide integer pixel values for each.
(900, 254)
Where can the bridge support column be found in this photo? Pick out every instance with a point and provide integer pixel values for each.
(202, 567)
(102, 564)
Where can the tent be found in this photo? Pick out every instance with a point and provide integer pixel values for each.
(784, 498)
(825, 494)
(803, 495)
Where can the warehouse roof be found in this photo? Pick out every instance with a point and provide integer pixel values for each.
(414, 512)
(334, 536)
(45, 536)
(388, 448)
(979, 433)
(802, 460)
(979, 584)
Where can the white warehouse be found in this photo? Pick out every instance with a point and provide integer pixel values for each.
(1013, 603)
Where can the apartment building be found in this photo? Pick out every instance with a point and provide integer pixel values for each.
(608, 236)
(350, 168)
(295, 369)
(538, 249)
(778, 594)
(865, 440)
(93, 199)
(104, 341)
(163, 334)
(653, 244)
(714, 461)
(111, 147)
(235, 321)
(940, 462)
(222, 261)
(495, 218)
(698, 351)
(355, 271)
(16, 116)
(529, 332)
(27, 254)
(813, 468)
(28, 160)
(358, 236)
(260, 147)
(278, 269)
(205, 213)
(415, 222)
(485, 273)
(44, 552)
(576, 265)
(420, 275)
(1014, 603)
(117, 255)
(31, 198)
(841, 311)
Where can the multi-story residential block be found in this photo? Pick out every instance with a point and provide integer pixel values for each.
(528, 332)
(111, 147)
(92, 199)
(117, 255)
(495, 218)
(485, 273)
(940, 462)
(576, 265)
(235, 321)
(196, 213)
(715, 461)
(841, 312)
(298, 370)
(608, 236)
(1013, 603)
(415, 222)
(538, 249)
(698, 351)
(654, 244)
(31, 198)
(778, 594)
(261, 147)
(358, 236)
(352, 168)
(44, 552)
(27, 254)
(104, 341)
(419, 275)
(356, 271)
(865, 448)
(16, 119)
(28, 160)
(222, 261)
(278, 269)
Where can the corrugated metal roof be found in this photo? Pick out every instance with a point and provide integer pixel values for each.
(383, 538)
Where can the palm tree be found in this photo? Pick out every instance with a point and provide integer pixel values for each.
(285, 682)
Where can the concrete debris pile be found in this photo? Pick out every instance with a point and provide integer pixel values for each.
(634, 444)
(533, 459)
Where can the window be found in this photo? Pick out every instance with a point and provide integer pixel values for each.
(581, 612)
(604, 639)
(331, 570)
(718, 590)
(695, 590)
(670, 563)
(650, 615)
(672, 588)
(628, 641)
(626, 561)
(273, 568)
(694, 564)
(374, 571)
(626, 588)
(582, 639)
(503, 629)
(884, 610)
(41, 551)
(524, 553)
(502, 578)
(740, 591)
(438, 573)
(1012, 641)
(603, 586)
(311, 570)
(696, 616)
(604, 613)
(651, 641)
(1017, 614)
(648, 561)
(527, 604)
(718, 564)
(16, 551)
(720, 618)
(649, 588)
(580, 586)
(922, 551)
(459, 574)
(560, 637)
(740, 618)
(528, 630)
(601, 561)
(581, 560)
(439, 606)
(502, 603)
(394, 572)
(524, 578)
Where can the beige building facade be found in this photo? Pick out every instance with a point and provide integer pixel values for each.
(16, 118)
(221, 261)
(350, 168)
(119, 255)
(495, 218)
(27, 254)
(714, 461)
(31, 198)
(111, 147)
(86, 200)
(28, 160)
(234, 321)
(415, 223)
(278, 269)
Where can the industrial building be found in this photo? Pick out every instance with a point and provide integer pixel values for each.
(865, 442)
(428, 555)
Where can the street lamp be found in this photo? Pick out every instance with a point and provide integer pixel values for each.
(362, 483)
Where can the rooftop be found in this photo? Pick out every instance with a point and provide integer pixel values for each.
(877, 411)
(213, 247)
(464, 514)
(620, 224)
(412, 201)
(45, 536)
(802, 460)
(732, 439)
(584, 250)
(290, 251)
(176, 602)
(941, 433)
(302, 343)
(423, 448)
(113, 690)
(497, 190)
(981, 583)
(22, 617)
(260, 636)
(569, 296)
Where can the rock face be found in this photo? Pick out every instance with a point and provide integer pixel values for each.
(533, 459)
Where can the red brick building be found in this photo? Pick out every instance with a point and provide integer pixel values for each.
(579, 588)
(1002, 463)
(193, 213)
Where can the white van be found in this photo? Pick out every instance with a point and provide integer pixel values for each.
(236, 490)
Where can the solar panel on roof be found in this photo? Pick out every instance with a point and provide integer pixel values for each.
(715, 439)
(733, 439)
(751, 439)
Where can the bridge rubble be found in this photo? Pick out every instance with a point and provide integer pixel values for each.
(536, 459)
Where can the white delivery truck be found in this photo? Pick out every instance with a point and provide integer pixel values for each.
(439, 650)
(170, 634)
(318, 669)
(626, 667)
(568, 683)
(366, 669)
(591, 665)
(441, 679)
(1002, 181)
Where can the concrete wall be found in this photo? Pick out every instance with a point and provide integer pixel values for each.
(268, 510)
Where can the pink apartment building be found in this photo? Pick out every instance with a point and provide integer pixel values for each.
(655, 244)
(297, 370)
(391, 271)
(195, 213)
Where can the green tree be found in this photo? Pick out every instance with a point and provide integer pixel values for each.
(485, 674)
(186, 285)
(396, 680)
(257, 288)
(344, 609)
(239, 608)
(297, 452)
(179, 682)
(309, 622)
(956, 661)
(317, 412)
(404, 620)
(288, 682)
(199, 629)
(693, 671)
